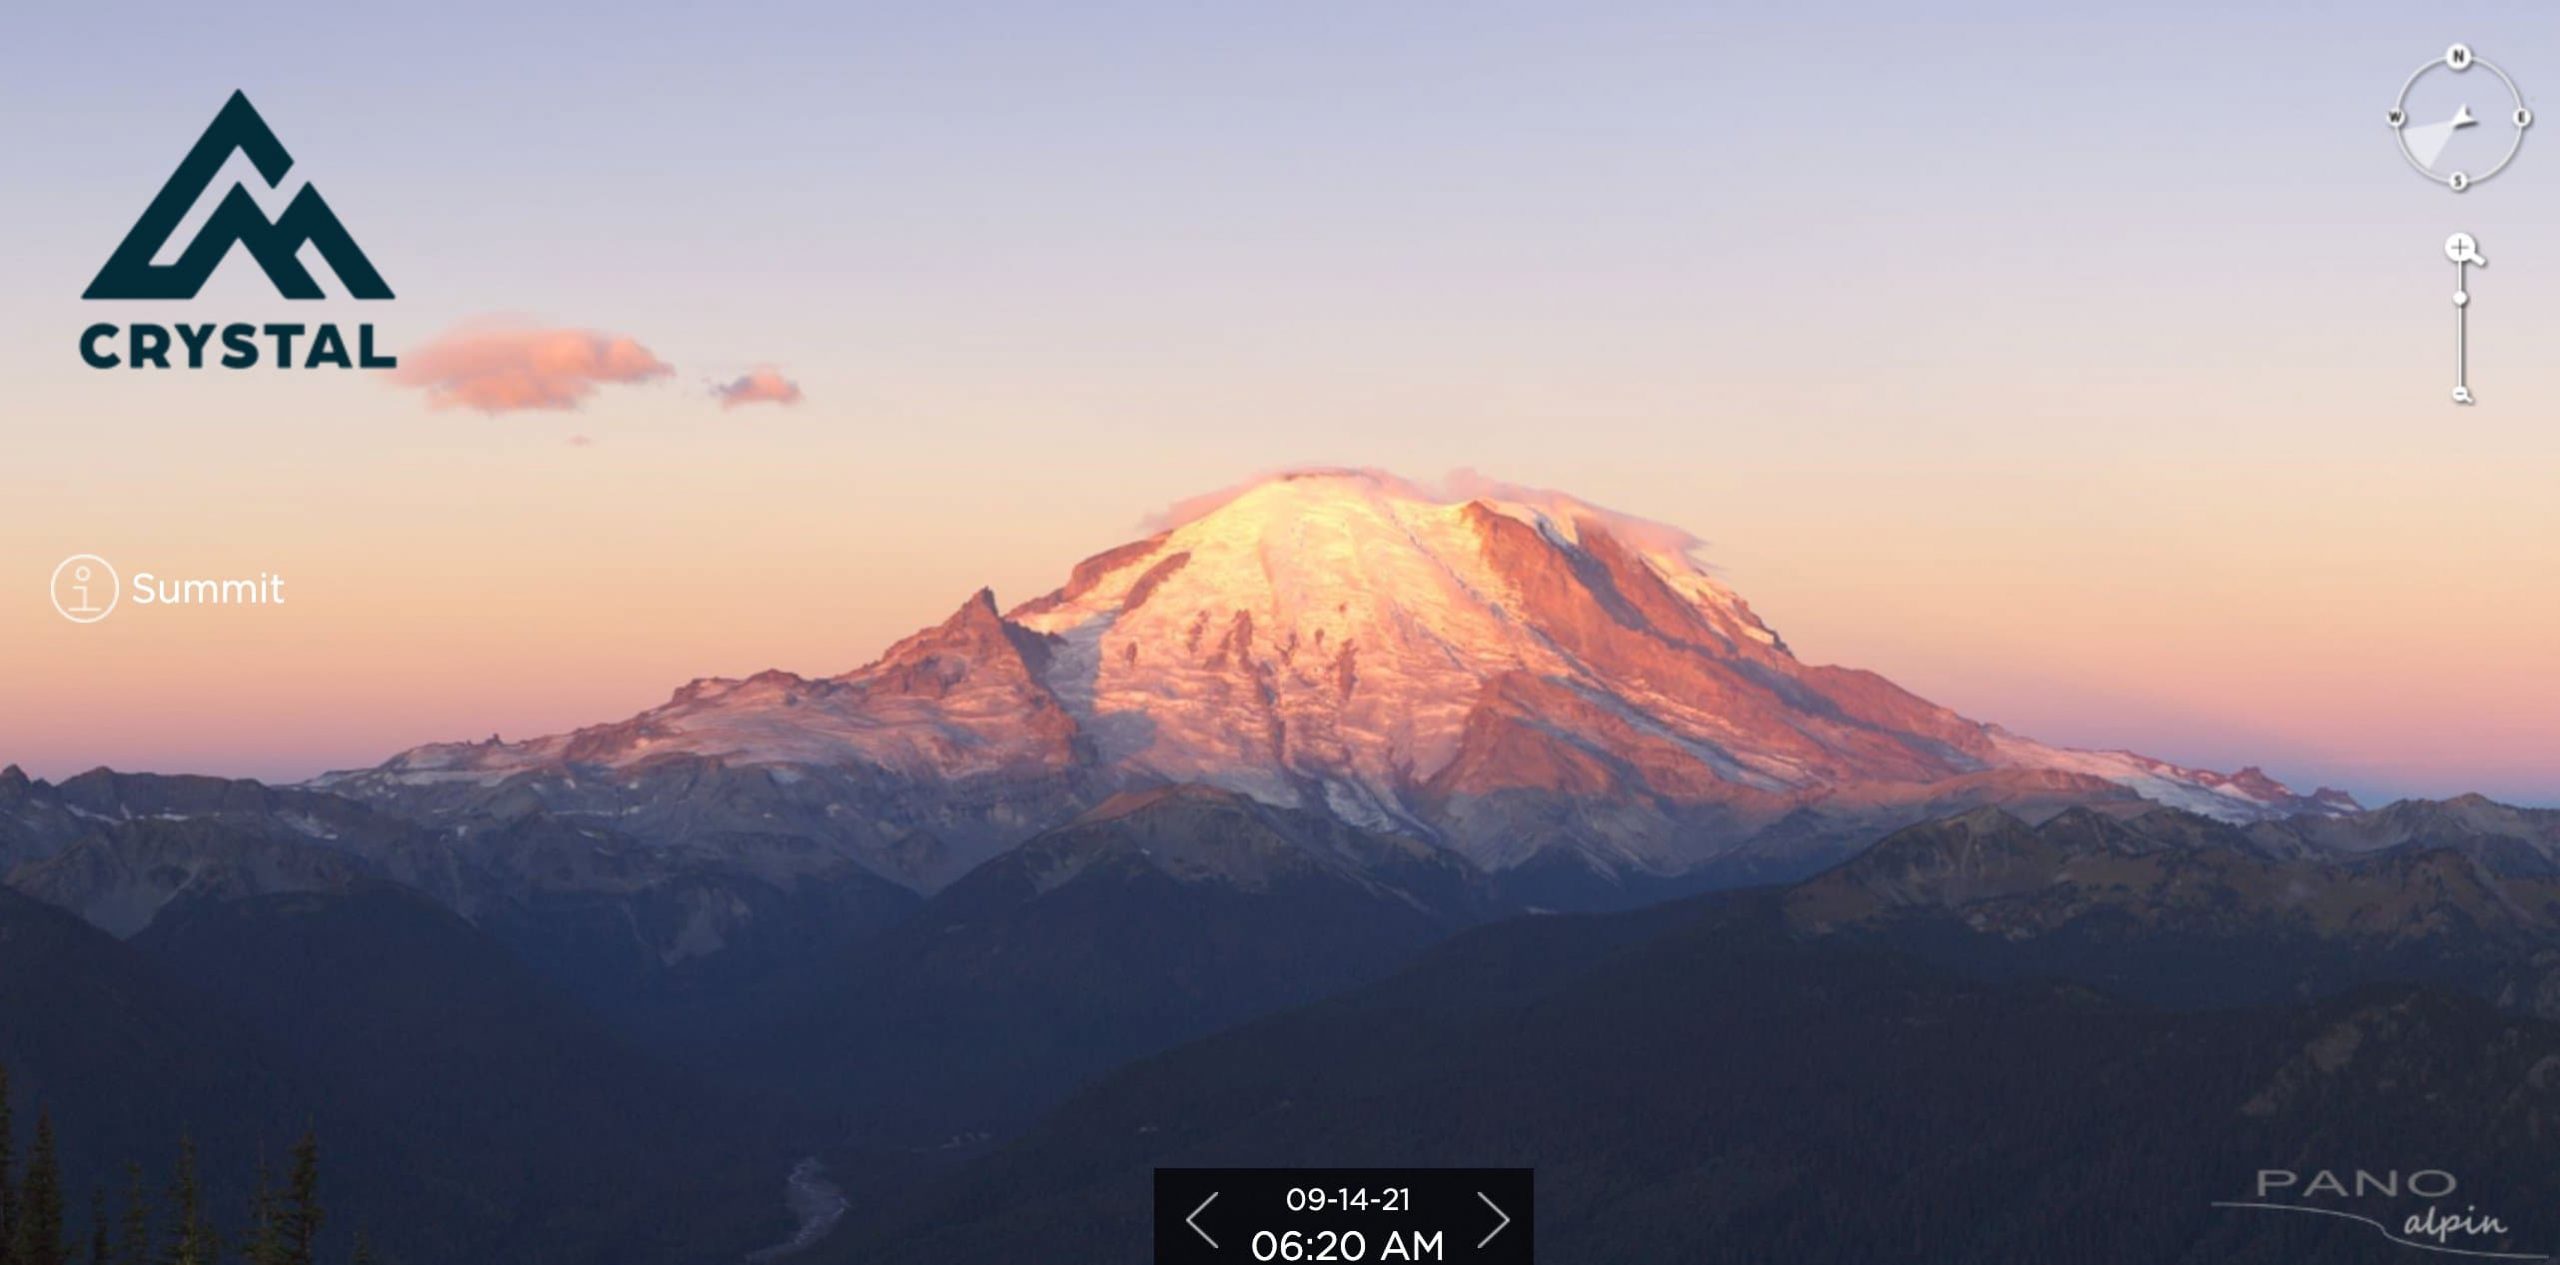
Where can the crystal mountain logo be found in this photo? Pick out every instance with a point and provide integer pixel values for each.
(275, 245)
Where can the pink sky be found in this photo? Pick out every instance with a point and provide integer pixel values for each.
(580, 585)
(2058, 417)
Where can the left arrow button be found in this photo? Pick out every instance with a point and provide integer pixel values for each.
(1194, 1220)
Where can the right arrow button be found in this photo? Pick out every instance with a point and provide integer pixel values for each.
(1497, 1211)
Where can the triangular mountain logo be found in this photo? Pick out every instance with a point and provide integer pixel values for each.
(130, 274)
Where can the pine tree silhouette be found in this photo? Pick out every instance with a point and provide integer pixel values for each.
(37, 1239)
(136, 1247)
(300, 1216)
(99, 1248)
(195, 1242)
(266, 1237)
(8, 1183)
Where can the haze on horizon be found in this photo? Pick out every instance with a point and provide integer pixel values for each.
(2079, 372)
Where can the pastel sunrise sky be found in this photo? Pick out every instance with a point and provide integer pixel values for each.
(2086, 372)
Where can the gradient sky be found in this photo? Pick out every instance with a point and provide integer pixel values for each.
(2084, 372)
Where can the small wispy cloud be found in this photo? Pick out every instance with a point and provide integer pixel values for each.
(761, 385)
(506, 369)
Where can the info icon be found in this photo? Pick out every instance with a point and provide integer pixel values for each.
(85, 588)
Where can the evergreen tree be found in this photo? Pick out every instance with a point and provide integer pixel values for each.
(266, 1237)
(136, 1248)
(195, 1242)
(364, 1249)
(8, 1183)
(37, 1239)
(99, 1249)
(300, 1216)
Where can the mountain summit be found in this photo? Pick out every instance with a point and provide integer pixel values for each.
(1520, 676)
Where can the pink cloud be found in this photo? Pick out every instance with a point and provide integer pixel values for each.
(504, 370)
(761, 385)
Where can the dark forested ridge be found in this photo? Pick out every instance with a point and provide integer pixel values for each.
(555, 1040)
(531, 1036)
(1154, 919)
(1700, 1084)
(509, 1104)
(471, 1111)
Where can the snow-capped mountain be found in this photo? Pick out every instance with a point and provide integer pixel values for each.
(1519, 676)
